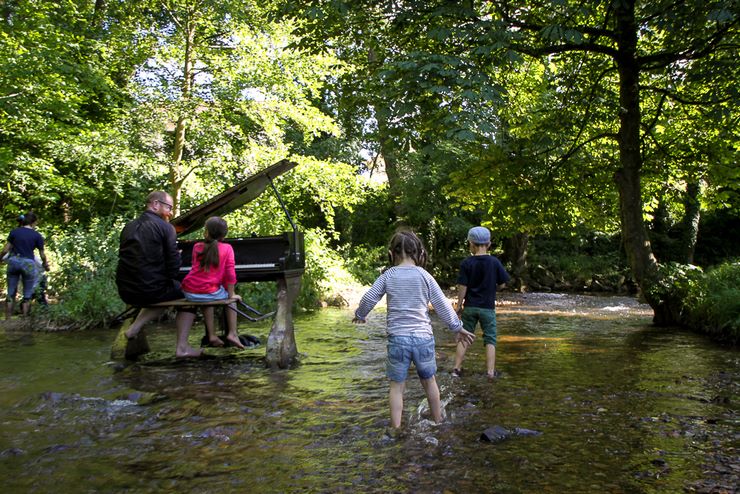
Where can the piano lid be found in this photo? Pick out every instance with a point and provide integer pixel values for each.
(230, 199)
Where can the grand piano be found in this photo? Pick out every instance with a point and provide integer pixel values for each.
(280, 258)
(267, 258)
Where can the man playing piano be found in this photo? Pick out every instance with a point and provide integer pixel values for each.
(148, 265)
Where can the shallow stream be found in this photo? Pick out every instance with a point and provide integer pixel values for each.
(621, 407)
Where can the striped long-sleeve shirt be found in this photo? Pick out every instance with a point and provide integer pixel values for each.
(409, 290)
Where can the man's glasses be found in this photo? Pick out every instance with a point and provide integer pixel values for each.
(169, 206)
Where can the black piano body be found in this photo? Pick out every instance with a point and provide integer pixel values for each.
(257, 258)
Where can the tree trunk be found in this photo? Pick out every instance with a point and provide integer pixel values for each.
(98, 20)
(388, 147)
(515, 251)
(176, 173)
(389, 150)
(690, 223)
(627, 177)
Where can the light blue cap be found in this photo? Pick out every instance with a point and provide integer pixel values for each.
(479, 235)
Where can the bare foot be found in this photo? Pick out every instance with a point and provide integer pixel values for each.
(234, 340)
(215, 341)
(189, 353)
(493, 375)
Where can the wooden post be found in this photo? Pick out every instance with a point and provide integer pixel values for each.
(281, 347)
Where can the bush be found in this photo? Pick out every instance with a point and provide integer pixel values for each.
(365, 262)
(676, 293)
(707, 302)
(717, 303)
(84, 275)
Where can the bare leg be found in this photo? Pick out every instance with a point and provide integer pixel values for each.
(213, 340)
(184, 322)
(232, 336)
(491, 360)
(8, 309)
(432, 391)
(396, 399)
(460, 354)
(145, 316)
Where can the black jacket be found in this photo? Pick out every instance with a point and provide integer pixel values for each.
(148, 258)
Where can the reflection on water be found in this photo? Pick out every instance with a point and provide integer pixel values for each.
(622, 407)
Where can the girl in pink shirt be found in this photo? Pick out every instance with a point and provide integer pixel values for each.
(213, 277)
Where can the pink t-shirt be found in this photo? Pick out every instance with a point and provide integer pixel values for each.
(199, 281)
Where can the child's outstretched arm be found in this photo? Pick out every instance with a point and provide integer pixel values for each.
(369, 300)
(443, 307)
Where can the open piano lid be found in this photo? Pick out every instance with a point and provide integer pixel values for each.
(230, 199)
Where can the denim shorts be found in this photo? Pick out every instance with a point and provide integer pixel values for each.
(402, 350)
(219, 294)
(487, 318)
(25, 269)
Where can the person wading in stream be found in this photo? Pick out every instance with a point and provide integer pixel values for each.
(480, 276)
(409, 289)
(21, 244)
(148, 264)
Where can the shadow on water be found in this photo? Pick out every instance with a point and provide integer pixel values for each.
(622, 407)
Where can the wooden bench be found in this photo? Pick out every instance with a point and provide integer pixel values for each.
(181, 302)
(130, 349)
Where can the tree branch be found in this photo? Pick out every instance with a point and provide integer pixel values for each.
(699, 49)
(565, 48)
(684, 101)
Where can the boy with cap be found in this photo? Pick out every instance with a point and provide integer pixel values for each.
(480, 276)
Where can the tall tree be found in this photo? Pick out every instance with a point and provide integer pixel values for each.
(224, 86)
(645, 41)
(606, 60)
(62, 86)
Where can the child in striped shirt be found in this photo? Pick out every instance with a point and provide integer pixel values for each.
(409, 289)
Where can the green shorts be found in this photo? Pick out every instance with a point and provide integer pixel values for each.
(487, 319)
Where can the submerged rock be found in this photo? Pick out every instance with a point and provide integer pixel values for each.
(497, 433)
(519, 431)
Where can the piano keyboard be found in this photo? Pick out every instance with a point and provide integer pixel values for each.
(265, 265)
(257, 266)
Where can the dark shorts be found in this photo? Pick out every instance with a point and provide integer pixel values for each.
(167, 293)
(487, 319)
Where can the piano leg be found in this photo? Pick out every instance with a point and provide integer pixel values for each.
(281, 347)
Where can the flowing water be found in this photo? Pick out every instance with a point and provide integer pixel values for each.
(621, 407)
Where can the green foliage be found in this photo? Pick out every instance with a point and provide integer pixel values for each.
(364, 262)
(676, 291)
(84, 274)
(715, 304)
(62, 88)
(581, 258)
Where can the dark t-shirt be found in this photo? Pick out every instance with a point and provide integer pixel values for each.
(148, 261)
(481, 275)
(24, 241)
